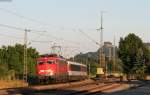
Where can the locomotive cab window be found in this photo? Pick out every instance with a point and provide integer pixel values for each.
(40, 62)
(50, 61)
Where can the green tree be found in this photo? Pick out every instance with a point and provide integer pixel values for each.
(109, 66)
(3, 70)
(32, 55)
(89, 59)
(11, 59)
(133, 54)
(93, 67)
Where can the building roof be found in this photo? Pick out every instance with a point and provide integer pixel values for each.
(107, 43)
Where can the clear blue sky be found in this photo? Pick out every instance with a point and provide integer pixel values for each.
(121, 17)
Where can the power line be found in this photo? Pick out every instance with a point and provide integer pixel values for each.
(29, 19)
(14, 37)
(37, 32)
(18, 28)
(40, 22)
(33, 20)
(60, 39)
(12, 27)
(32, 41)
(40, 41)
(22, 29)
(21, 16)
(10, 36)
(88, 37)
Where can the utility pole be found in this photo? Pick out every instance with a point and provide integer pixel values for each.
(89, 64)
(89, 69)
(114, 57)
(25, 65)
(101, 55)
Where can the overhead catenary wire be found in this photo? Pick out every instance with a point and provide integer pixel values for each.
(21, 16)
(38, 41)
(31, 19)
(14, 37)
(30, 40)
(89, 37)
(31, 31)
(44, 23)
(18, 28)
(37, 32)
(12, 27)
(34, 20)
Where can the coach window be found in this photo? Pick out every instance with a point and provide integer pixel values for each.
(83, 68)
(75, 67)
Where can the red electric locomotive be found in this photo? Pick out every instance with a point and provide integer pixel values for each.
(56, 68)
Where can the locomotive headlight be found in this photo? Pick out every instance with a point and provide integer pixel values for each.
(49, 71)
(41, 71)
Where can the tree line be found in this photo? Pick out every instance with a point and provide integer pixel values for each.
(135, 56)
(11, 61)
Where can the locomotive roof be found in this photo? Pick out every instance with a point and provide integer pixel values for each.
(76, 63)
(50, 58)
(52, 55)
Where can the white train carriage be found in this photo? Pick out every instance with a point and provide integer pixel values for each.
(77, 71)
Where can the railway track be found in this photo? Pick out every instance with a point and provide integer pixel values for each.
(92, 89)
(106, 88)
(85, 87)
(63, 85)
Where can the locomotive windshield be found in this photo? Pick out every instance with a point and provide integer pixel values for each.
(40, 62)
(50, 61)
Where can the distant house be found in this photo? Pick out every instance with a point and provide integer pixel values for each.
(108, 50)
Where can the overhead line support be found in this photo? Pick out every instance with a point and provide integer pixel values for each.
(25, 61)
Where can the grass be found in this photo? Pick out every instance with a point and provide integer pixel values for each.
(12, 84)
